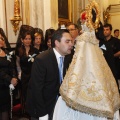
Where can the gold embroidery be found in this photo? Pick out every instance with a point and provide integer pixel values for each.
(89, 85)
(93, 98)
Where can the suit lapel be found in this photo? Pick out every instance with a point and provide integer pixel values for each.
(67, 61)
(64, 67)
(54, 63)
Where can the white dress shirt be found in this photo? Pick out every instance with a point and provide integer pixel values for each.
(57, 54)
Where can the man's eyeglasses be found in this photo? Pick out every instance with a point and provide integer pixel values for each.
(71, 29)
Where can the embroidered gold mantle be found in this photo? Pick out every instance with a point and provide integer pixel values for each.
(89, 85)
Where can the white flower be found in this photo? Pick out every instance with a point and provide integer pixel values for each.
(11, 53)
(9, 56)
(31, 57)
(103, 47)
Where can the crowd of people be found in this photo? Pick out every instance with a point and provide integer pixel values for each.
(87, 61)
(15, 65)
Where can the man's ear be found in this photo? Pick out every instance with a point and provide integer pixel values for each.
(57, 43)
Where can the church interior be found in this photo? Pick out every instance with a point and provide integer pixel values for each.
(49, 14)
(44, 14)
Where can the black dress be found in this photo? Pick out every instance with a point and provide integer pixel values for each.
(26, 62)
(7, 72)
(41, 48)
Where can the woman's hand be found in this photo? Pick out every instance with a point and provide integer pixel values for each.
(14, 81)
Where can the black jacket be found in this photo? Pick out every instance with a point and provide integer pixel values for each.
(44, 84)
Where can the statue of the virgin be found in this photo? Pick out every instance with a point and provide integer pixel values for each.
(89, 90)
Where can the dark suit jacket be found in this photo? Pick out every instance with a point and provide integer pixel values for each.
(44, 84)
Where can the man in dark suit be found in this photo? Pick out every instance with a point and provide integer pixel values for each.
(44, 84)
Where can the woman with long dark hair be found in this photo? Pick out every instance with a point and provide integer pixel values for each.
(25, 55)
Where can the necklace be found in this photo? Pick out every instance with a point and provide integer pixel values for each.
(0, 51)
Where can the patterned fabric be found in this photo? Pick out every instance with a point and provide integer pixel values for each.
(89, 85)
(63, 112)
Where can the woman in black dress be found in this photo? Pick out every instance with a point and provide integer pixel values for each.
(25, 55)
(38, 39)
(7, 77)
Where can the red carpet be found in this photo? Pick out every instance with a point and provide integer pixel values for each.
(17, 107)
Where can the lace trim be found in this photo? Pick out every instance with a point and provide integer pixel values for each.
(88, 110)
(87, 37)
(70, 115)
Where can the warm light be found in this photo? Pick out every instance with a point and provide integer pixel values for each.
(17, 18)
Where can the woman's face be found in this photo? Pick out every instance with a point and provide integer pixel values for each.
(27, 41)
(49, 43)
(37, 40)
(2, 42)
